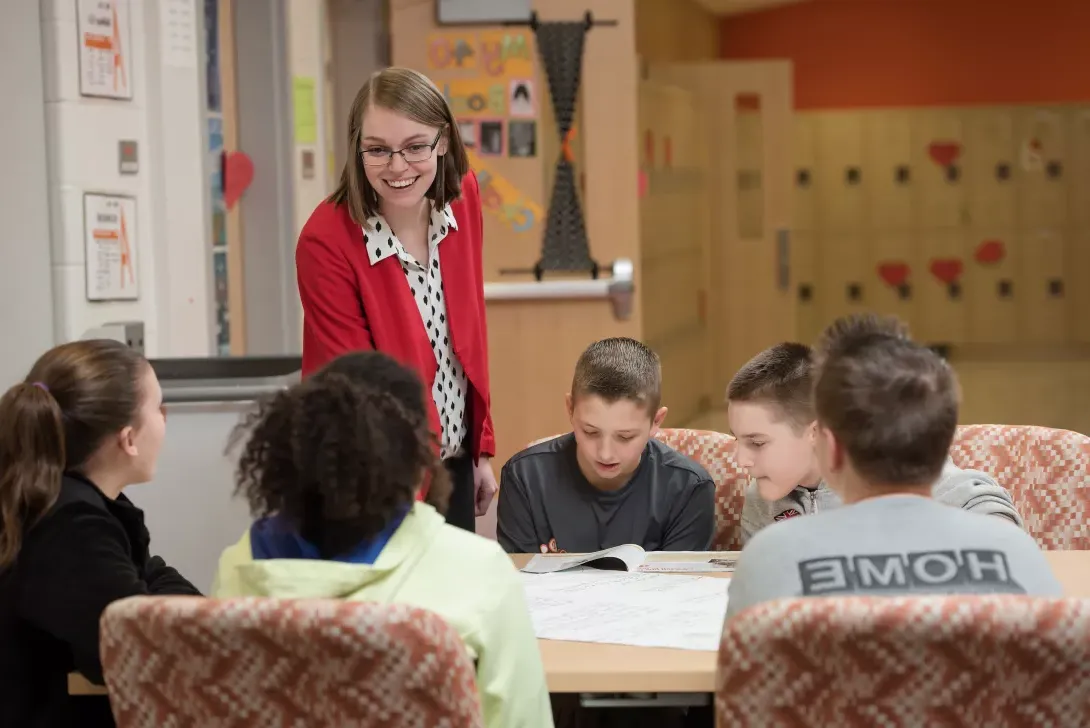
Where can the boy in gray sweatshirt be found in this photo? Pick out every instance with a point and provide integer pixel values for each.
(885, 413)
(771, 414)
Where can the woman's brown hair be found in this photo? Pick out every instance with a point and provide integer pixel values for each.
(339, 454)
(411, 94)
(75, 396)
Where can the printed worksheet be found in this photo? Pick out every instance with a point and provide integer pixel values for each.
(640, 609)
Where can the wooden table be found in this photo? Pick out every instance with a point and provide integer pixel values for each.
(580, 667)
(572, 667)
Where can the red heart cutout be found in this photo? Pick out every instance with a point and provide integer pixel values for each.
(944, 153)
(238, 173)
(990, 251)
(947, 270)
(894, 274)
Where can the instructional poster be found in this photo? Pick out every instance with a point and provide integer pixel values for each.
(105, 58)
(109, 234)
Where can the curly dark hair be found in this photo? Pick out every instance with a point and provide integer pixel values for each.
(338, 454)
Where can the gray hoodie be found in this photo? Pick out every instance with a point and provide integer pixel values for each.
(970, 490)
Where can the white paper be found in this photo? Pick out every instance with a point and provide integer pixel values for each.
(630, 555)
(110, 239)
(105, 56)
(645, 610)
(178, 33)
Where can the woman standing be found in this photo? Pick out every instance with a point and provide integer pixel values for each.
(391, 261)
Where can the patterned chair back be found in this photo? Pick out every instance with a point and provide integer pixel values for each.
(854, 662)
(321, 663)
(715, 452)
(1047, 472)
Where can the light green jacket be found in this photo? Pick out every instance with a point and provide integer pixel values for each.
(466, 579)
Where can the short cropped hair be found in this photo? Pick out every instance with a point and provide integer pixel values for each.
(619, 368)
(857, 326)
(780, 377)
(890, 402)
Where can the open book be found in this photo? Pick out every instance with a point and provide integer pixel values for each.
(631, 557)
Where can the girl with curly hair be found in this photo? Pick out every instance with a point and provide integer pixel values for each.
(331, 468)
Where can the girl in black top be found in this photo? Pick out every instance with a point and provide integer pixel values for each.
(87, 422)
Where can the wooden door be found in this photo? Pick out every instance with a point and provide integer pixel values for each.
(749, 127)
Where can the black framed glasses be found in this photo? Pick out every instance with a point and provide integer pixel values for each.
(380, 156)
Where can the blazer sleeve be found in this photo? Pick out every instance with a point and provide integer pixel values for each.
(488, 432)
(334, 321)
(71, 567)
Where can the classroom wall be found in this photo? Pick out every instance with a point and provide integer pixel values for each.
(164, 279)
(675, 30)
(884, 53)
(945, 185)
(26, 286)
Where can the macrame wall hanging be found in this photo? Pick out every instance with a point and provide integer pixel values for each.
(565, 247)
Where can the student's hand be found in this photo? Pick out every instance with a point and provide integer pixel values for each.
(484, 485)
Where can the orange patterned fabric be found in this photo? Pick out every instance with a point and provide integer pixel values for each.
(230, 663)
(856, 662)
(715, 452)
(1047, 472)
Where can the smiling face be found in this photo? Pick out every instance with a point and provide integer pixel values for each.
(777, 455)
(400, 183)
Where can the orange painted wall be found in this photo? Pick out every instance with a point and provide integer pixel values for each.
(880, 53)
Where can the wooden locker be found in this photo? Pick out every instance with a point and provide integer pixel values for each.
(805, 252)
(1077, 285)
(749, 150)
(940, 304)
(887, 170)
(938, 165)
(803, 213)
(1042, 300)
(992, 288)
(840, 181)
(894, 274)
(1042, 169)
(990, 161)
(1078, 179)
(846, 282)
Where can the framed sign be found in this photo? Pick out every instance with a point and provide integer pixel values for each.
(105, 58)
(109, 224)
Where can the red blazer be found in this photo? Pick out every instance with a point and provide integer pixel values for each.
(351, 305)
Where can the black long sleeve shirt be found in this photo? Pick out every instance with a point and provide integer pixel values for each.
(87, 552)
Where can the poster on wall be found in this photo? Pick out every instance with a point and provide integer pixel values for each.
(109, 223)
(105, 58)
(523, 103)
(522, 138)
(500, 198)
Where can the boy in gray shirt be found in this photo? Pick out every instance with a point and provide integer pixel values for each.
(772, 416)
(608, 482)
(886, 412)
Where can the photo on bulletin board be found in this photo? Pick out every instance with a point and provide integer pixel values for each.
(522, 139)
(468, 130)
(105, 57)
(521, 100)
(109, 223)
(491, 137)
